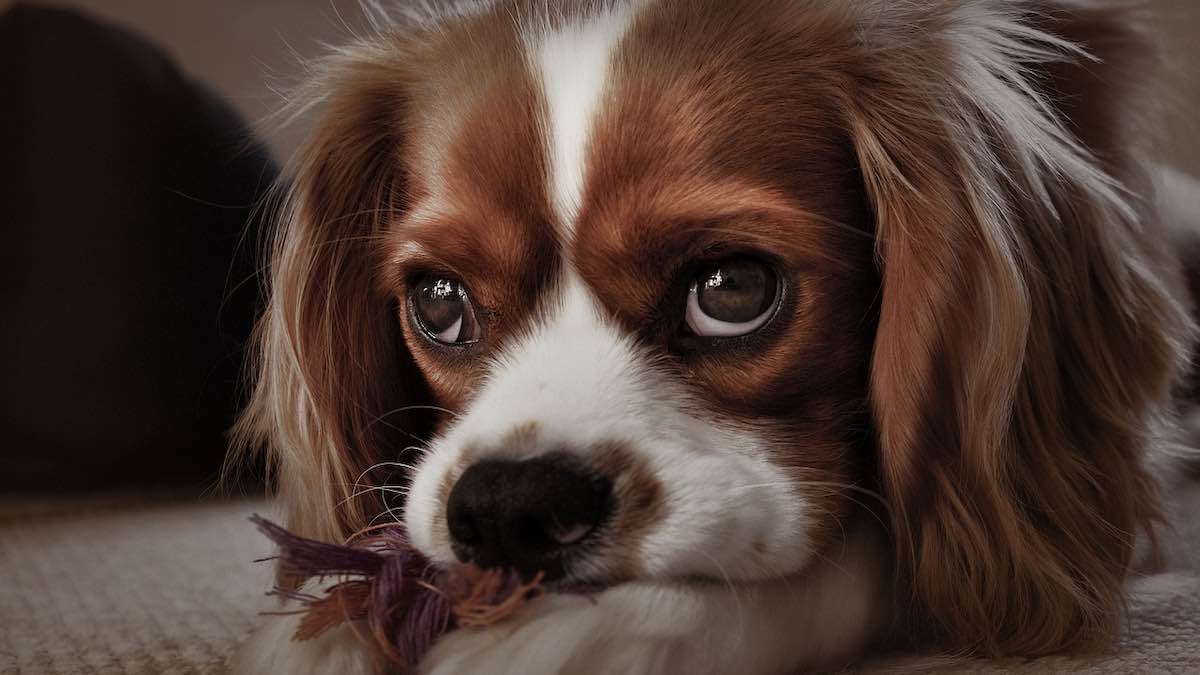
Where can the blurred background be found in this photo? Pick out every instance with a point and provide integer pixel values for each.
(245, 50)
(135, 154)
(238, 46)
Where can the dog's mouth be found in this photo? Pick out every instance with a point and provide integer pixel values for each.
(548, 569)
(569, 564)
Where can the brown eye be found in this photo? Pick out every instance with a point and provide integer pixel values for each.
(732, 297)
(444, 311)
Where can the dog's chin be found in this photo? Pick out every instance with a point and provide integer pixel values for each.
(568, 572)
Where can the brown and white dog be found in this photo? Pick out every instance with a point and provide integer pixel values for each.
(805, 327)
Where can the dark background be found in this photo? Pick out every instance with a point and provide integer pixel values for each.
(236, 46)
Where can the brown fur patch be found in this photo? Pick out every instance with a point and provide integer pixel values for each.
(638, 497)
(480, 212)
(1011, 417)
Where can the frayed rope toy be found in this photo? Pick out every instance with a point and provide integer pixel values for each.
(405, 602)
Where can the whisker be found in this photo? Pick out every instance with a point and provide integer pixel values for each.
(379, 465)
(401, 409)
(733, 590)
(355, 492)
(358, 493)
(826, 484)
(402, 465)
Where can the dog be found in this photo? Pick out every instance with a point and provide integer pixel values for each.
(805, 329)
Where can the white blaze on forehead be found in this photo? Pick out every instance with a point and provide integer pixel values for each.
(576, 376)
(574, 63)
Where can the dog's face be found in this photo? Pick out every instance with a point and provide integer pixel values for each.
(650, 323)
(654, 289)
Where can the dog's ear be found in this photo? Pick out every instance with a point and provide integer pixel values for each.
(1025, 346)
(334, 386)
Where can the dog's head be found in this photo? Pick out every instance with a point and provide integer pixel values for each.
(671, 289)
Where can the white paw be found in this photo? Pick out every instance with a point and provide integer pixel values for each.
(270, 650)
(614, 632)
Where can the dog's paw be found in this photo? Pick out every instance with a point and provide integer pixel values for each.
(619, 631)
(270, 650)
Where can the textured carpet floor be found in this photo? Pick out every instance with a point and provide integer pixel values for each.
(145, 586)
(127, 586)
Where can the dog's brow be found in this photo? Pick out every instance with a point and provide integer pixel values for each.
(574, 67)
(410, 252)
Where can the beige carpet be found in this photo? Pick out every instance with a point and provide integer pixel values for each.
(127, 586)
(124, 585)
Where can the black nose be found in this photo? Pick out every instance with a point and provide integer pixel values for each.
(529, 515)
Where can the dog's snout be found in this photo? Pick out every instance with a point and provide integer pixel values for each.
(528, 515)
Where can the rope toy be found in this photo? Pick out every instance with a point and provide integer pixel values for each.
(405, 602)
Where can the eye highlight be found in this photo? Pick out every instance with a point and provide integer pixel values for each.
(732, 297)
(444, 311)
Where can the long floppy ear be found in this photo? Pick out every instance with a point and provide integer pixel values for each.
(333, 380)
(1025, 349)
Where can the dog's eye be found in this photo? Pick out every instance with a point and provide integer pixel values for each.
(444, 310)
(732, 297)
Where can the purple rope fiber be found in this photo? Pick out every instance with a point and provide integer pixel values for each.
(407, 599)
(311, 558)
(402, 606)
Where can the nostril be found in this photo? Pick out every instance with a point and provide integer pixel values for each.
(462, 527)
(528, 535)
(529, 515)
(565, 535)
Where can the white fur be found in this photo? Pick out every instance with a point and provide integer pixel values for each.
(574, 62)
(819, 620)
